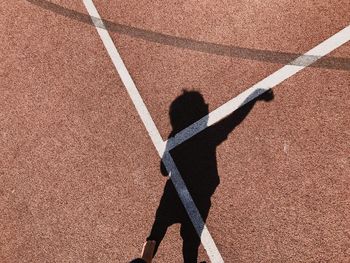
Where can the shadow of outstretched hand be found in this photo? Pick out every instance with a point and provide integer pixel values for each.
(267, 96)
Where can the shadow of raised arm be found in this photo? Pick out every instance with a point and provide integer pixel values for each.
(228, 124)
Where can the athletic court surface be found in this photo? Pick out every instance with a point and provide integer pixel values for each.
(85, 93)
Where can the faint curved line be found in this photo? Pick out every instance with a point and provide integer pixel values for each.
(201, 46)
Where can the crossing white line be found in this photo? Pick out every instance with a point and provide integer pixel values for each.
(202, 231)
(267, 83)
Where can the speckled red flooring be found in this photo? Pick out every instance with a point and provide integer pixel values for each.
(79, 176)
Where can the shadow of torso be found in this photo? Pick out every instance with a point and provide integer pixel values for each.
(197, 164)
(196, 161)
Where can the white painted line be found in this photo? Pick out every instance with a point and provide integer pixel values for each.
(269, 82)
(207, 240)
(125, 76)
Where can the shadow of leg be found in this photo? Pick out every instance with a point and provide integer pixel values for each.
(191, 242)
(157, 234)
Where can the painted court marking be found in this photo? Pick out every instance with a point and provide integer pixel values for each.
(269, 82)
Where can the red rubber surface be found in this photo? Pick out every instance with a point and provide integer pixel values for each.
(79, 176)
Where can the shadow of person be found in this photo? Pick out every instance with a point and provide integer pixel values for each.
(196, 161)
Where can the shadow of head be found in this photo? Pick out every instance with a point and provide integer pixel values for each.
(186, 109)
